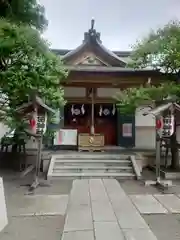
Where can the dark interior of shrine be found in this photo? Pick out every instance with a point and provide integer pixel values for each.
(79, 116)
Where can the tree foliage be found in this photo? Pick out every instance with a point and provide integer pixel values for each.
(159, 50)
(24, 11)
(26, 65)
(131, 98)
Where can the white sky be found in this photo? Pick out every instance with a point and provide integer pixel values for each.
(121, 22)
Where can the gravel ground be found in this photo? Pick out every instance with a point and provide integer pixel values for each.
(138, 187)
(13, 184)
(165, 227)
(32, 227)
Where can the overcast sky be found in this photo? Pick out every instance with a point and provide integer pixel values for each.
(121, 22)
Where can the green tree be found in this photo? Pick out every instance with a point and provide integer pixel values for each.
(159, 50)
(26, 65)
(24, 11)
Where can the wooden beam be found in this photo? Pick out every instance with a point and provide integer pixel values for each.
(112, 80)
(88, 101)
(122, 85)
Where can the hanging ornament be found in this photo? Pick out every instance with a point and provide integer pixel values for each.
(159, 124)
(100, 111)
(106, 112)
(72, 109)
(32, 123)
(82, 109)
(114, 110)
(91, 140)
(168, 125)
(77, 111)
(149, 82)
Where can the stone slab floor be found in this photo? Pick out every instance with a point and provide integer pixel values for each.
(99, 209)
(95, 209)
(37, 217)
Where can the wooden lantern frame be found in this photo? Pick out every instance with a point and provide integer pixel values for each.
(158, 113)
(37, 105)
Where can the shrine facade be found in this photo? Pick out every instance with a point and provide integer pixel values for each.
(96, 75)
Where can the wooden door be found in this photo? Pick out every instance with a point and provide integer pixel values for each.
(108, 129)
(77, 117)
(106, 122)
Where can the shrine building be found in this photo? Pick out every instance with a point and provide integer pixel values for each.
(96, 74)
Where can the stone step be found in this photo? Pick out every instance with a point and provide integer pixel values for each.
(92, 175)
(85, 169)
(93, 167)
(92, 156)
(92, 161)
(96, 164)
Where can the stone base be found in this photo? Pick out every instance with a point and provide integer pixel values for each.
(159, 183)
(170, 175)
(3, 210)
(167, 175)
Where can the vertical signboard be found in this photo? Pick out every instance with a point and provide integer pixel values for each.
(126, 130)
(66, 137)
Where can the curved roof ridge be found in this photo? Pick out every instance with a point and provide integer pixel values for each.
(92, 38)
(72, 52)
(109, 52)
(99, 44)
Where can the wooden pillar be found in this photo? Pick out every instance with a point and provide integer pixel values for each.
(61, 115)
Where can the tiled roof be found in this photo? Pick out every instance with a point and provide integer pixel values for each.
(89, 68)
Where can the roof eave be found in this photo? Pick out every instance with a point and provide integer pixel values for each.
(110, 53)
(73, 52)
(99, 45)
(21, 109)
(109, 69)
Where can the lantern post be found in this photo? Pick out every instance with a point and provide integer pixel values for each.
(35, 114)
(160, 132)
(159, 127)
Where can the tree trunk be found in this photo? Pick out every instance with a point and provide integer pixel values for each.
(174, 152)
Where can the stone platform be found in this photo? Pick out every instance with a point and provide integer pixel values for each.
(3, 210)
(100, 209)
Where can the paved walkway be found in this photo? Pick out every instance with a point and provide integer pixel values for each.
(104, 209)
(101, 210)
(157, 203)
(34, 217)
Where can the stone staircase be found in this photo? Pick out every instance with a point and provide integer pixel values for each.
(90, 165)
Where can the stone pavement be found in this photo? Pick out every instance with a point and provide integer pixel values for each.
(105, 209)
(164, 226)
(100, 209)
(40, 216)
(157, 203)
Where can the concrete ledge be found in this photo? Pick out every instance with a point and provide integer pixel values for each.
(136, 167)
(167, 175)
(143, 160)
(46, 164)
(51, 166)
(3, 210)
(170, 175)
